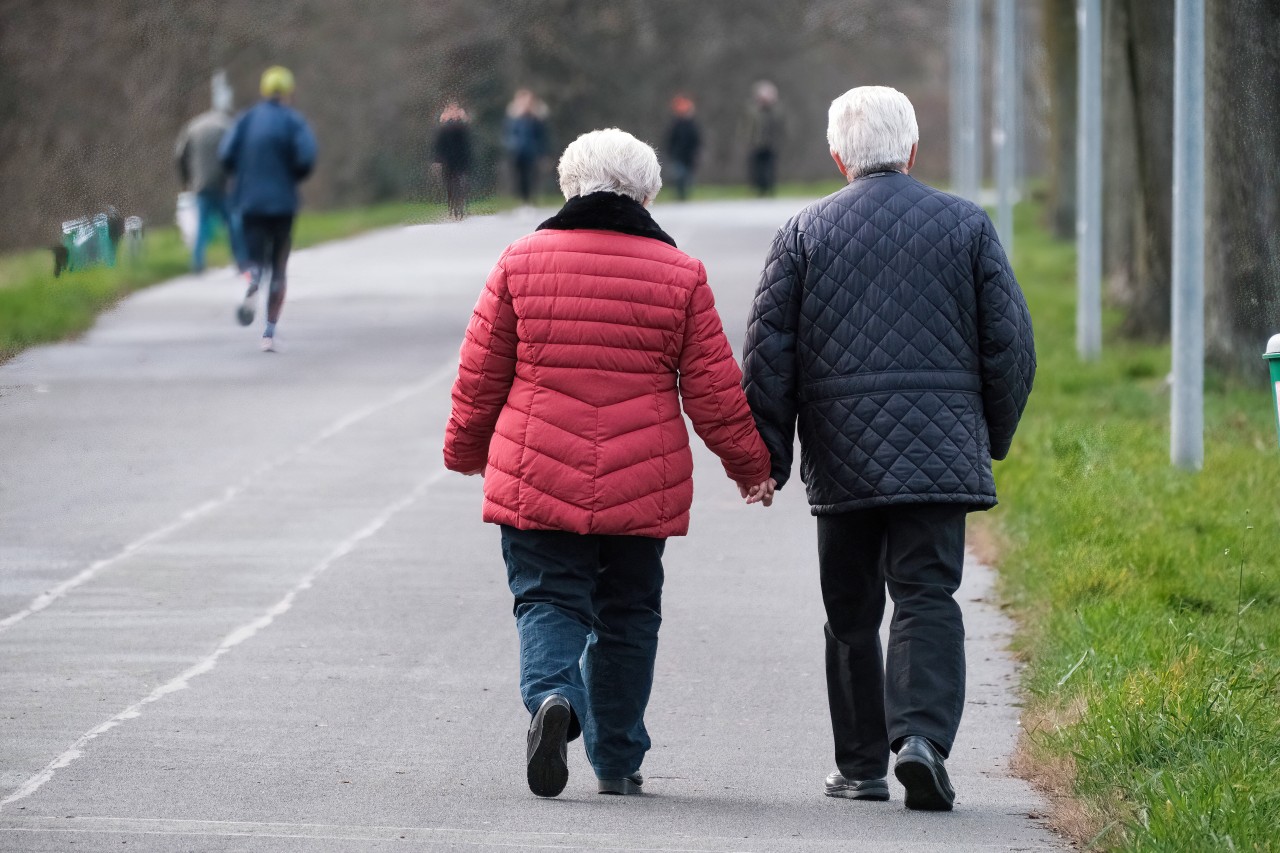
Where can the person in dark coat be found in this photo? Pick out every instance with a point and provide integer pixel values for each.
(524, 135)
(270, 149)
(764, 127)
(453, 156)
(683, 142)
(889, 325)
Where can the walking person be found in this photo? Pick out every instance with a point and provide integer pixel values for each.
(524, 135)
(764, 129)
(588, 338)
(684, 139)
(889, 324)
(270, 149)
(453, 156)
(196, 155)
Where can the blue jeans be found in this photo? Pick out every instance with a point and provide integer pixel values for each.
(211, 205)
(587, 610)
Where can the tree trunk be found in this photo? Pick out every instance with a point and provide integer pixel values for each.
(1242, 164)
(1121, 194)
(1060, 36)
(1151, 59)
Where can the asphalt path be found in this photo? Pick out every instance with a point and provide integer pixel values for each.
(243, 607)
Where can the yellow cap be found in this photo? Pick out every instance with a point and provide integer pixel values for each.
(277, 80)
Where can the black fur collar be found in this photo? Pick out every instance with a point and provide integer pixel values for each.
(605, 211)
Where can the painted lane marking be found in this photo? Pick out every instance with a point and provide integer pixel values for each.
(345, 832)
(235, 638)
(47, 598)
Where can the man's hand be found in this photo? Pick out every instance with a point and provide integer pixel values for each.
(760, 493)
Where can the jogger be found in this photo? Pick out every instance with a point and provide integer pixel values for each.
(269, 239)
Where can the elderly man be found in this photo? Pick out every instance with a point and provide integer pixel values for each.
(888, 321)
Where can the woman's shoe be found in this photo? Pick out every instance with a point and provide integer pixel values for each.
(626, 785)
(548, 765)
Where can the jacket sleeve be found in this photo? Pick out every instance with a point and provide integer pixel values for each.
(229, 147)
(711, 393)
(771, 375)
(180, 156)
(304, 150)
(486, 369)
(1006, 344)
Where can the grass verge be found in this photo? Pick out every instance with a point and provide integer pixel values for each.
(1149, 597)
(37, 308)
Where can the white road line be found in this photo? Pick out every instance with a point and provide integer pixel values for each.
(355, 832)
(235, 638)
(43, 600)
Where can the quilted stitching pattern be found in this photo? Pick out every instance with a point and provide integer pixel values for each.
(889, 326)
(580, 353)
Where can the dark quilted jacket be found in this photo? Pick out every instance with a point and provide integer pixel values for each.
(888, 321)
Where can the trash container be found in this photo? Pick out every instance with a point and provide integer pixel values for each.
(88, 242)
(1272, 355)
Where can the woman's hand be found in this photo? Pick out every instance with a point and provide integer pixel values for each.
(479, 471)
(759, 493)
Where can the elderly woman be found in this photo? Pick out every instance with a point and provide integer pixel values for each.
(588, 337)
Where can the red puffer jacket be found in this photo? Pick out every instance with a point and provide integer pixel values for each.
(581, 350)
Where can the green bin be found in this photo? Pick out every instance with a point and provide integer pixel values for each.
(1272, 356)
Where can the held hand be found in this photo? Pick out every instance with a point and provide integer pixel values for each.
(759, 493)
(479, 471)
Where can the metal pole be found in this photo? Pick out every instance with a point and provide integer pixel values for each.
(1089, 182)
(966, 97)
(1004, 136)
(1187, 444)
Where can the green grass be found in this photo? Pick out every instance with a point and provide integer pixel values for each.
(1149, 597)
(37, 308)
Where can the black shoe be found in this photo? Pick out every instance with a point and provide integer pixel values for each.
(626, 785)
(868, 789)
(548, 734)
(921, 771)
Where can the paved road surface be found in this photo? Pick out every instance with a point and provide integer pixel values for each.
(243, 607)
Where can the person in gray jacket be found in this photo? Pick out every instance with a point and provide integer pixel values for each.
(196, 155)
(889, 325)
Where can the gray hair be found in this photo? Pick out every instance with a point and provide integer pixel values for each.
(612, 161)
(872, 128)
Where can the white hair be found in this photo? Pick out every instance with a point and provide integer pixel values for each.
(610, 161)
(872, 128)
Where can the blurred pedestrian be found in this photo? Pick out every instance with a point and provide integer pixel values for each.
(764, 128)
(588, 338)
(202, 174)
(889, 322)
(453, 156)
(683, 142)
(270, 149)
(524, 135)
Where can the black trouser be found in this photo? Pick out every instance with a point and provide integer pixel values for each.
(268, 240)
(763, 170)
(526, 177)
(455, 191)
(917, 550)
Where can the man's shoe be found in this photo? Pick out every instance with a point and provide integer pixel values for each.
(548, 736)
(921, 771)
(847, 789)
(626, 785)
